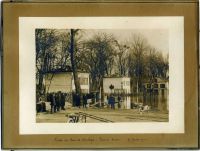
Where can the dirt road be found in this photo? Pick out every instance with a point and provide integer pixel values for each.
(117, 115)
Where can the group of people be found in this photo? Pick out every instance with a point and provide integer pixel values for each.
(82, 100)
(57, 101)
(111, 101)
(77, 100)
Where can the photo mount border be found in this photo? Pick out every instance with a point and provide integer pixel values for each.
(10, 118)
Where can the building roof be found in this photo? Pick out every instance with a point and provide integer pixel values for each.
(158, 80)
(64, 71)
(117, 77)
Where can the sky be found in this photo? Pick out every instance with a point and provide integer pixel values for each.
(158, 38)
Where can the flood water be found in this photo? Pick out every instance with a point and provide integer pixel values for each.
(159, 101)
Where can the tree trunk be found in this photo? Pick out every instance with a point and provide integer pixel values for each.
(137, 92)
(42, 74)
(101, 93)
(73, 63)
(40, 85)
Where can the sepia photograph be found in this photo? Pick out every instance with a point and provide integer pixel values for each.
(102, 75)
(117, 74)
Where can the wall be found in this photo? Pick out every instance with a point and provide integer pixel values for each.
(59, 82)
(64, 82)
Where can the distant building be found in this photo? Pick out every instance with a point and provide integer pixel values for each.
(160, 89)
(64, 82)
(121, 87)
(159, 85)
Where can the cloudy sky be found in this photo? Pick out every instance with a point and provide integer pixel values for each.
(158, 38)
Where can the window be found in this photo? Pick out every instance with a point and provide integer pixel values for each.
(162, 85)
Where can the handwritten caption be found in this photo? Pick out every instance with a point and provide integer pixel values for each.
(98, 139)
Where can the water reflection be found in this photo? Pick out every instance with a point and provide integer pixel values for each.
(155, 100)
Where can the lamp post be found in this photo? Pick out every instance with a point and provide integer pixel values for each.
(111, 87)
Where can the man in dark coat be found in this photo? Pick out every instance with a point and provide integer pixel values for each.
(84, 101)
(57, 98)
(119, 102)
(112, 102)
(78, 100)
(62, 103)
(52, 102)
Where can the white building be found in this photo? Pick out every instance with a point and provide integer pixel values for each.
(121, 87)
(64, 82)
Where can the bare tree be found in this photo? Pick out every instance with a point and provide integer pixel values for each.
(98, 58)
(73, 32)
(138, 48)
(64, 54)
(156, 67)
(122, 58)
(45, 45)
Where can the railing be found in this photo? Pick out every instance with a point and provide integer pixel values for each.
(81, 117)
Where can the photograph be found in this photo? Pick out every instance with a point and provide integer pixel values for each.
(101, 75)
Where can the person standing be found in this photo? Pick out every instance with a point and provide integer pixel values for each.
(57, 99)
(62, 103)
(78, 100)
(108, 102)
(112, 102)
(84, 101)
(73, 99)
(119, 102)
(52, 102)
